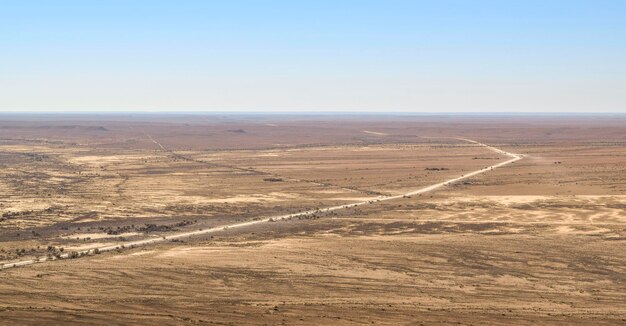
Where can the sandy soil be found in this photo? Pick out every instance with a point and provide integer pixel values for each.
(538, 241)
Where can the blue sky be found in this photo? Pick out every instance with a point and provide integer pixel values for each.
(322, 55)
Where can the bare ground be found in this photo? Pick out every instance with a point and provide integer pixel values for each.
(540, 241)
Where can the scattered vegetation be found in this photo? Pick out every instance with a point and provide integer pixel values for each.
(436, 169)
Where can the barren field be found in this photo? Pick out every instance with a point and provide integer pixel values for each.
(540, 239)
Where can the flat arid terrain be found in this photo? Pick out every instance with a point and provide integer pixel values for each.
(312, 219)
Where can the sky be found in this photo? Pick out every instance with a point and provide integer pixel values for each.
(313, 55)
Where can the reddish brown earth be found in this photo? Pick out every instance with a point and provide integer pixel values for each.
(539, 241)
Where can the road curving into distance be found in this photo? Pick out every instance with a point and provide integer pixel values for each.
(181, 235)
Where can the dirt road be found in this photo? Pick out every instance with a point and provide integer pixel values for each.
(139, 243)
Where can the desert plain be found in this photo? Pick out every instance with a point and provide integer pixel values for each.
(539, 240)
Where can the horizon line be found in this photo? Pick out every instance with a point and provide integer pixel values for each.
(337, 112)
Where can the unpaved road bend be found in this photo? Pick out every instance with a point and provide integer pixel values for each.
(164, 238)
